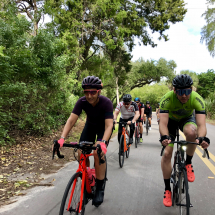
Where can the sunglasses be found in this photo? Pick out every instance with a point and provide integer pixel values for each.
(181, 92)
(126, 103)
(137, 102)
(91, 92)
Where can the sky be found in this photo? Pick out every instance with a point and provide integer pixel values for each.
(183, 46)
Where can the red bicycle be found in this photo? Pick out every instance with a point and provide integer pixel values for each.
(81, 187)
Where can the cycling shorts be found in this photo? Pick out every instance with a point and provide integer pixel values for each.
(139, 119)
(173, 125)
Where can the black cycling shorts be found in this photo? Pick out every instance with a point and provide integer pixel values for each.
(173, 125)
(90, 132)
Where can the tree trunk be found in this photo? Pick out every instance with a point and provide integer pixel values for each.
(117, 91)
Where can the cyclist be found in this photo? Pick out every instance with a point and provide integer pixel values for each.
(176, 110)
(148, 113)
(99, 110)
(157, 112)
(129, 114)
(140, 119)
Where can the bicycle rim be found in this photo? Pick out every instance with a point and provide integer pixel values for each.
(184, 198)
(75, 203)
(174, 180)
(121, 151)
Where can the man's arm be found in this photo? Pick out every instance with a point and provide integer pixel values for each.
(201, 125)
(116, 113)
(136, 116)
(108, 129)
(142, 112)
(164, 119)
(69, 124)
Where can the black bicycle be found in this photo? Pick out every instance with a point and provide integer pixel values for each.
(180, 188)
(137, 134)
(147, 125)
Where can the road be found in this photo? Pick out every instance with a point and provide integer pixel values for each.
(137, 188)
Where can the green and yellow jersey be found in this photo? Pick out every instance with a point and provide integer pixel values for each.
(170, 104)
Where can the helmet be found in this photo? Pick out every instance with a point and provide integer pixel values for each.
(147, 102)
(182, 81)
(137, 99)
(92, 82)
(127, 98)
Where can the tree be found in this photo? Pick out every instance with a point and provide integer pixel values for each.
(206, 83)
(208, 31)
(33, 9)
(104, 25)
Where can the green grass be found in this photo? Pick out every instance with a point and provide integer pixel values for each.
(117, 125)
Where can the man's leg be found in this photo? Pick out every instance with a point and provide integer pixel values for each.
(150, 123)
(141, 131)
(190, 131)
(167, 169)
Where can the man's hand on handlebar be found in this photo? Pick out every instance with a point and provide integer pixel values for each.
(204, 141)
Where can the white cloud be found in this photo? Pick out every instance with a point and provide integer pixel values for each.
(184, 46)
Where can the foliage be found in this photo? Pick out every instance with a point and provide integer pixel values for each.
(208, 31)
(152, 93)
(206, 83)
(210, 105)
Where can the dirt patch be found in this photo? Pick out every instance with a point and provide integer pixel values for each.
(210, 121)
(25, 164)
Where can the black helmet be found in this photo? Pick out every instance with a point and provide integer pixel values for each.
(147, 102)
(127, 98)
(137, 99)
(91, 82)
(182, 81)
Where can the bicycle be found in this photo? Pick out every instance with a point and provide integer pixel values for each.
(147, 125)
(79, 190)
(124, 146)
(137, 134)
(178, 178)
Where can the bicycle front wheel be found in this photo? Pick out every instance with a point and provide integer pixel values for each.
(121, 151)
(136, 137)
(74, 206)
(147, 126)
(183, 198)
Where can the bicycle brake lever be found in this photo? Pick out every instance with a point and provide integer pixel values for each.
(162, 150)
(99, 150)
(206, 153)
(56, 149)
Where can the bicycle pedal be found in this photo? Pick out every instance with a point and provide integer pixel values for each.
(191, 206)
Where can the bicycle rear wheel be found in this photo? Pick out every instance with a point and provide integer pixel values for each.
(75, 202)
(136, 137)
(121, 151)
(183, 198)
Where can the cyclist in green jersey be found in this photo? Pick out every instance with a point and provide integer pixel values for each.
(176, 110)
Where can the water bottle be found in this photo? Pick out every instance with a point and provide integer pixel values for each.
(91, 176)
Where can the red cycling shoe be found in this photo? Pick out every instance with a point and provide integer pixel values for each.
(167, 199)
(190, 173)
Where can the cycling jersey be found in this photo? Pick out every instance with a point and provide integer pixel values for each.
(148, 111)
(141, 105)
(129, 112)
(170, 104)
(95, 115)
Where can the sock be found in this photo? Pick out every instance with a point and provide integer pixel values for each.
(167, 184)
(99, 183)
(140, 135)
(189, 159)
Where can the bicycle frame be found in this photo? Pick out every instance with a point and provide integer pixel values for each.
(85, 179)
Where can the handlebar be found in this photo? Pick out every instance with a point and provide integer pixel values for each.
(83, 145)
(184, 143)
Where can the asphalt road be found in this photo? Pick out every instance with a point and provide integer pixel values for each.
(137, 188)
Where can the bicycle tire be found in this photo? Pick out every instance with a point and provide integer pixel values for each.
(147, 125)
(76, 197)
(136, 137)
(174, 180)
(127, 151)
(121, 151)
(184, 198)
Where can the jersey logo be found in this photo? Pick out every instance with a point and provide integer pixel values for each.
(164, 102)
(200, 102)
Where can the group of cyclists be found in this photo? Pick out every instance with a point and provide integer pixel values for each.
(175, 109)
